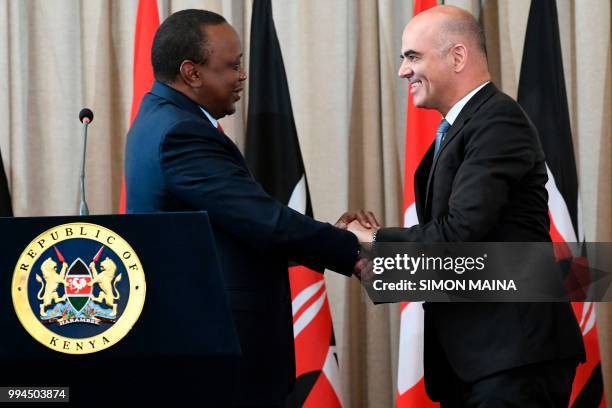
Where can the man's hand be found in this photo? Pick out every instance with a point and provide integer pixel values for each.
(365, 218)
(364, 234)
(363, 224)
(359, 266)
(363, 270)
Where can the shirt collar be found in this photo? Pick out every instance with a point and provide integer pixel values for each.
(212, 120)
(452, 114)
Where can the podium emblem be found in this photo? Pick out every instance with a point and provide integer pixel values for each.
(78, 288)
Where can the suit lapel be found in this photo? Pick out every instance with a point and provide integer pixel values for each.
(464, 116)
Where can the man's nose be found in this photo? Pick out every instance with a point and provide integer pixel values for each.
(405, 70)
(243, 75)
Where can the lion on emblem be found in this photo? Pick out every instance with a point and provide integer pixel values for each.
(106, 283)
(50, 284)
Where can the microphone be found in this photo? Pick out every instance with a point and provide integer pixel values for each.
(86, 117)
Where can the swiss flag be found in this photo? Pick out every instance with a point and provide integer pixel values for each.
(421, 125)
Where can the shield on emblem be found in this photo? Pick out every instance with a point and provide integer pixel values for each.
(77, 288)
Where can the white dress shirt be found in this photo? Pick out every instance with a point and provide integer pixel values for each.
(452, 114)
(212, 120)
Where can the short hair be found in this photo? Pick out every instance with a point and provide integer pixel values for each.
(464, 25)
(181, 37)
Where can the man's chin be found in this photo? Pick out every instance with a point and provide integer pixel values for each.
(422, 104)
(228, 111)
(418, 101)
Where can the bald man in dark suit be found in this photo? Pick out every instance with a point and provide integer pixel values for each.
(482, 180)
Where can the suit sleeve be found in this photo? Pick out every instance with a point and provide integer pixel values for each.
(499, 151)
(201, 170)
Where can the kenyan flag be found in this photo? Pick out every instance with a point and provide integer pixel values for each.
(77, 288)
(542, 94)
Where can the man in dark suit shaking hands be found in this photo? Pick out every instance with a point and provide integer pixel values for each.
(178, 159)
(482, 180)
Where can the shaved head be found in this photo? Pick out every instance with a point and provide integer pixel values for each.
(443, 57)
(453, 25)
(464, 28)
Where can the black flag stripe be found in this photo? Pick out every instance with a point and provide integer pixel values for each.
(272, 148)
(542, 94)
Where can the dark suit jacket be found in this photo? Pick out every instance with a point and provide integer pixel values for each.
(487, 184)
(176, 160)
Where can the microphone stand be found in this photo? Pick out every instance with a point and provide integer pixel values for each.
(83, 209)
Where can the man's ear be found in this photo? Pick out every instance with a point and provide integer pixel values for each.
(189, 73)
(459, 54)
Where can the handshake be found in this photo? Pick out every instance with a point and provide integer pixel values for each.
(364, 225)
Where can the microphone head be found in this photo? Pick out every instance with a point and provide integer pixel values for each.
(86, 115)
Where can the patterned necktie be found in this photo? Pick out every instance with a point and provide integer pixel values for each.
(442, 128)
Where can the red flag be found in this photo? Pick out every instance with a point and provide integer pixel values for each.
(421, 125)
(147, 21)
